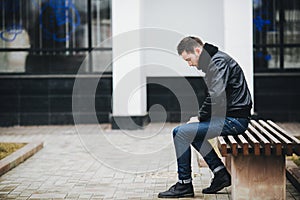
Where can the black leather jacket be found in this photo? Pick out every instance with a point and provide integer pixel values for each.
(227, 90)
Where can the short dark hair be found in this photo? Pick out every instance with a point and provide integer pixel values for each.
(188, 44)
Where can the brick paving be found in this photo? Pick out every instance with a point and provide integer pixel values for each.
(70, 166)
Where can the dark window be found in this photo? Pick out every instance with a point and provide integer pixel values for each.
(54, 36)
(276, 31)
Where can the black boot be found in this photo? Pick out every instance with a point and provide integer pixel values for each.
(221, 179)
(178, 190)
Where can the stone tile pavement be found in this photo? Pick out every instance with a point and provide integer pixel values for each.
(95, 162)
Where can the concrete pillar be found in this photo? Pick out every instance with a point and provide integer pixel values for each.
(258, 177)
(238, 35)
(129, 89)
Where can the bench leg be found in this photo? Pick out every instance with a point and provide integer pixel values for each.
(258, 177)
(227, 162)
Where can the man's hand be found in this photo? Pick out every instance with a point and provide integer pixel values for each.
(193, 119)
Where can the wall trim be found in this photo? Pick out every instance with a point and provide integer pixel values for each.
(129, 122)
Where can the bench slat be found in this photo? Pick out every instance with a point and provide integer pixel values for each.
(261, 138)
(276, 143)
(296, 141)
(253, 142)
(222, 145)
(286, 142)
(283, 131)
(233, 145)
(244, 144)
(266, 143)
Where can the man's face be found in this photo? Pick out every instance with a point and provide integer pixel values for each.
(192, 58)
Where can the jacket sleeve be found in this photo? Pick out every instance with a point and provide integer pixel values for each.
(216, 80)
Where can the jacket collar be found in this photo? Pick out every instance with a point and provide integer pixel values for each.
(207, 53)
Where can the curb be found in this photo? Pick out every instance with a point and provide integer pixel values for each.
(19, 156)
(293, 174)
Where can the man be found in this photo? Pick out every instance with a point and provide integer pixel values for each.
(225, 111)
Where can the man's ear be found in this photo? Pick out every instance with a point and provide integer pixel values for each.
(198, 50)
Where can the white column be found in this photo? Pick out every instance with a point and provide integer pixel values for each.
(129, 89)
(238, 33)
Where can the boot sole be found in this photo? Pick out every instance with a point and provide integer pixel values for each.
(224, 185)
(178, 196)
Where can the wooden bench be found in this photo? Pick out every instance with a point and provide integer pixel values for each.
(256, 160)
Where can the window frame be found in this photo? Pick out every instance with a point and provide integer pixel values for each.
(87, 49)
(281, 45)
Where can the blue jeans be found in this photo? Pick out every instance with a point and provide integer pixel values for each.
(197, 135)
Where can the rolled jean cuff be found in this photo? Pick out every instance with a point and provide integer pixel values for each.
(185, 181)
(218, 169)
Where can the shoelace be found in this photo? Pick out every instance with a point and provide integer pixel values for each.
(173, 187)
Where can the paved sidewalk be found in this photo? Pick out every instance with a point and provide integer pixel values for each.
(93, 162)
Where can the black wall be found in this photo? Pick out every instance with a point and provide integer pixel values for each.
(163, 95)
(277, 96)
(29, 100)
(43, 101)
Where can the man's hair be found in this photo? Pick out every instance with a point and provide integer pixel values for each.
(188, 44)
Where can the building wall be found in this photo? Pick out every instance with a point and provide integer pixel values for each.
(173, 21)
(45, 101)
(147, 47)
(34, 100)
(277, 96)
(48, 100)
